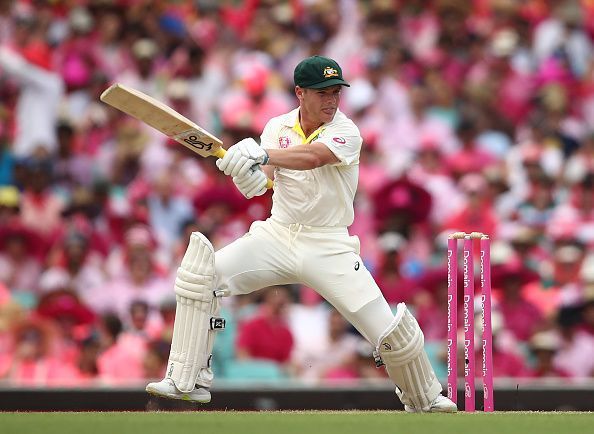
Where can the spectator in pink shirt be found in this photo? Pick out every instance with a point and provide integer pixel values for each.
(11, 314)
(565, 285)
(576, 351)
(390, 274)
(522, 318)
(39, 202)
(33, 362)
(121, 358)
(345, 347)
(470, 158)
(267, 335)
(139, 278)
(155, 360)
(477, 214)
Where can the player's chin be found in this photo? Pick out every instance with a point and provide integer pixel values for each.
(327, 115)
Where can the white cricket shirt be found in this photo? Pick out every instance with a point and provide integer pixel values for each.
(322, 196)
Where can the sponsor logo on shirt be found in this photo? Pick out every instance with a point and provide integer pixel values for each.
(339, 140)
(284, 142)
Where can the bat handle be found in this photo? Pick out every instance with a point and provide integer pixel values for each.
(220, 153)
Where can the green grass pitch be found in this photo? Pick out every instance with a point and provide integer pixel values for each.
(297, 422)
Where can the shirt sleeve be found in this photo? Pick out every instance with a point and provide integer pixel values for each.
(344, 141)
(269, 137)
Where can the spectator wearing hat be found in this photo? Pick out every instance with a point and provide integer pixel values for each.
(142, 74)
(543, 347)
(10, 199)
(33, 362)
(72, 320)
(20, 265)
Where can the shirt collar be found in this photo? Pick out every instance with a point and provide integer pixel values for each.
(292, 121)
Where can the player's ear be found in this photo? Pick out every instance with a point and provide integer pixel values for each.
(299, 91)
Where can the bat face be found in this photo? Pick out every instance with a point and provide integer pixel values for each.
(163, 118)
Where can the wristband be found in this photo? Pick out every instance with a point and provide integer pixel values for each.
(266, 158)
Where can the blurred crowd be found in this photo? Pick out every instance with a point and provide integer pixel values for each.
(476, 116)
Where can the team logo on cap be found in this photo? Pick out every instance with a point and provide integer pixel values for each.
(330, 72)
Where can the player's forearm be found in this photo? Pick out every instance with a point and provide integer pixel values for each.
(305, 157)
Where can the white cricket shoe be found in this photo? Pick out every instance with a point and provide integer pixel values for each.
(166, 389)
(441, 404)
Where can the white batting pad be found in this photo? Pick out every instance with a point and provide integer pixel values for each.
(401, 349)
(195, 317)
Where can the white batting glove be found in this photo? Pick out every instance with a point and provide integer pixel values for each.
(252, 150)
(252, 183)
(241, 157)
(234, 163)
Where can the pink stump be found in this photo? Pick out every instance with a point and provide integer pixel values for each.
(487, 331)
(453, 319)
(469, 368)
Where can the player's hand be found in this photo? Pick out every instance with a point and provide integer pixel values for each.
(240, 158)
(252, 183)
(252, 150)
(234, 163)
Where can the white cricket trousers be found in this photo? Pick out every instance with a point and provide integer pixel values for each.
(323, 258)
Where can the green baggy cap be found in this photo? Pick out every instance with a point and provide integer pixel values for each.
(317, 72)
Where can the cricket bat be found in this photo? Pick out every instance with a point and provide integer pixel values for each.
(164, 119)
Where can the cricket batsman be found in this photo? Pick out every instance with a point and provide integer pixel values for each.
(312, 153)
